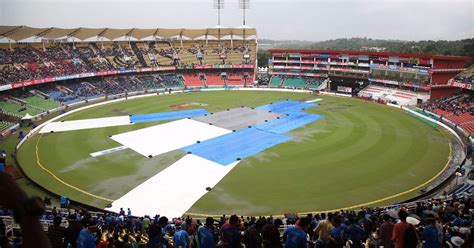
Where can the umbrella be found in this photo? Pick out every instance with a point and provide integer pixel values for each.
(457, 241)
(413, 219)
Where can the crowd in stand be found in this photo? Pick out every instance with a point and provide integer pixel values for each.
(457, 104)
(28, 63)
(94, 87)
(466, 77)
(71, 91)
(430, 224)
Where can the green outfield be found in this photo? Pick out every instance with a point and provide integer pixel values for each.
(359, 153)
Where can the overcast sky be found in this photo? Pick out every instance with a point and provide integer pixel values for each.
(313, 20)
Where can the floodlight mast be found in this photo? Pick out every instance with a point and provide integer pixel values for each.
(219, 4)
(244, 5)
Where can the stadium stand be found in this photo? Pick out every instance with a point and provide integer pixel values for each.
(40, 103)
(5, 125)
(314, 83)
(17, 110)
(36, 61)
(193, 80)
(457, 109)
(294, 83)
(466, 76)
(235, 80)
(394, 95)
(275, 81)
(214, 80)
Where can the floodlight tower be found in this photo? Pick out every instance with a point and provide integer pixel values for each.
(244, 5)
(219, 4)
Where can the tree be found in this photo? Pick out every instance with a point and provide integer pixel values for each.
(263, 56)
(469, 50)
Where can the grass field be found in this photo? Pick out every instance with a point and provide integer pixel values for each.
(358, 153)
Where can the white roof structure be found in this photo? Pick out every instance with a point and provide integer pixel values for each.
(18, 33)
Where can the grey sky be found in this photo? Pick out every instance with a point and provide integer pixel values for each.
(282, 19)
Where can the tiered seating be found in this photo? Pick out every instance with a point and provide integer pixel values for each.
(17, 110)
(443, 112)
(193, 80)
(10, 108)
(393, 95)
(275, 81)
(33, 61)
(466, 76)
(294, 83)
(465, 120)
(461, 118)
(469, 127)
(313, 84)
(457, 109)
(403, 94)
(214, 80)
(235, 80)
(4, 125)
(41, 103)
(171, 80)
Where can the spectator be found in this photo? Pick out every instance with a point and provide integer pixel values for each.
(430, 234)
(86, 237)
(137, 243)
(56, 233)
(338, 233)
(355, 233)
(271, 234)
(253, 235)
(295, 236)
(323, 230)
(205, 235)
(156, 235)
(385, 231)
(13, 197)
(126, 242)
(73, 230)
(399, 230)
(181, 237)
(230, 235)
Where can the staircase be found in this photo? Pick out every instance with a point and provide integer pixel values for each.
(204, 81)
(324, 85)
(64, 89)
(40, 94)
(95, 48)
(17, 100)
(138, 54)
(88, 63)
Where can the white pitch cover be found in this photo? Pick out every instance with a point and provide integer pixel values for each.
(174, 190)
(86, 124)
(167, 137)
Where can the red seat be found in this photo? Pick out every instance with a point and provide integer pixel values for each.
(193, 81)
(213, 80)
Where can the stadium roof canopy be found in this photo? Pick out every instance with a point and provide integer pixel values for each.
(18, 33)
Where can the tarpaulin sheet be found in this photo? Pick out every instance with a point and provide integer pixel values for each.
(287, 106)
(288, 123)
(237, 145)
(167, 115)
(163, 138)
